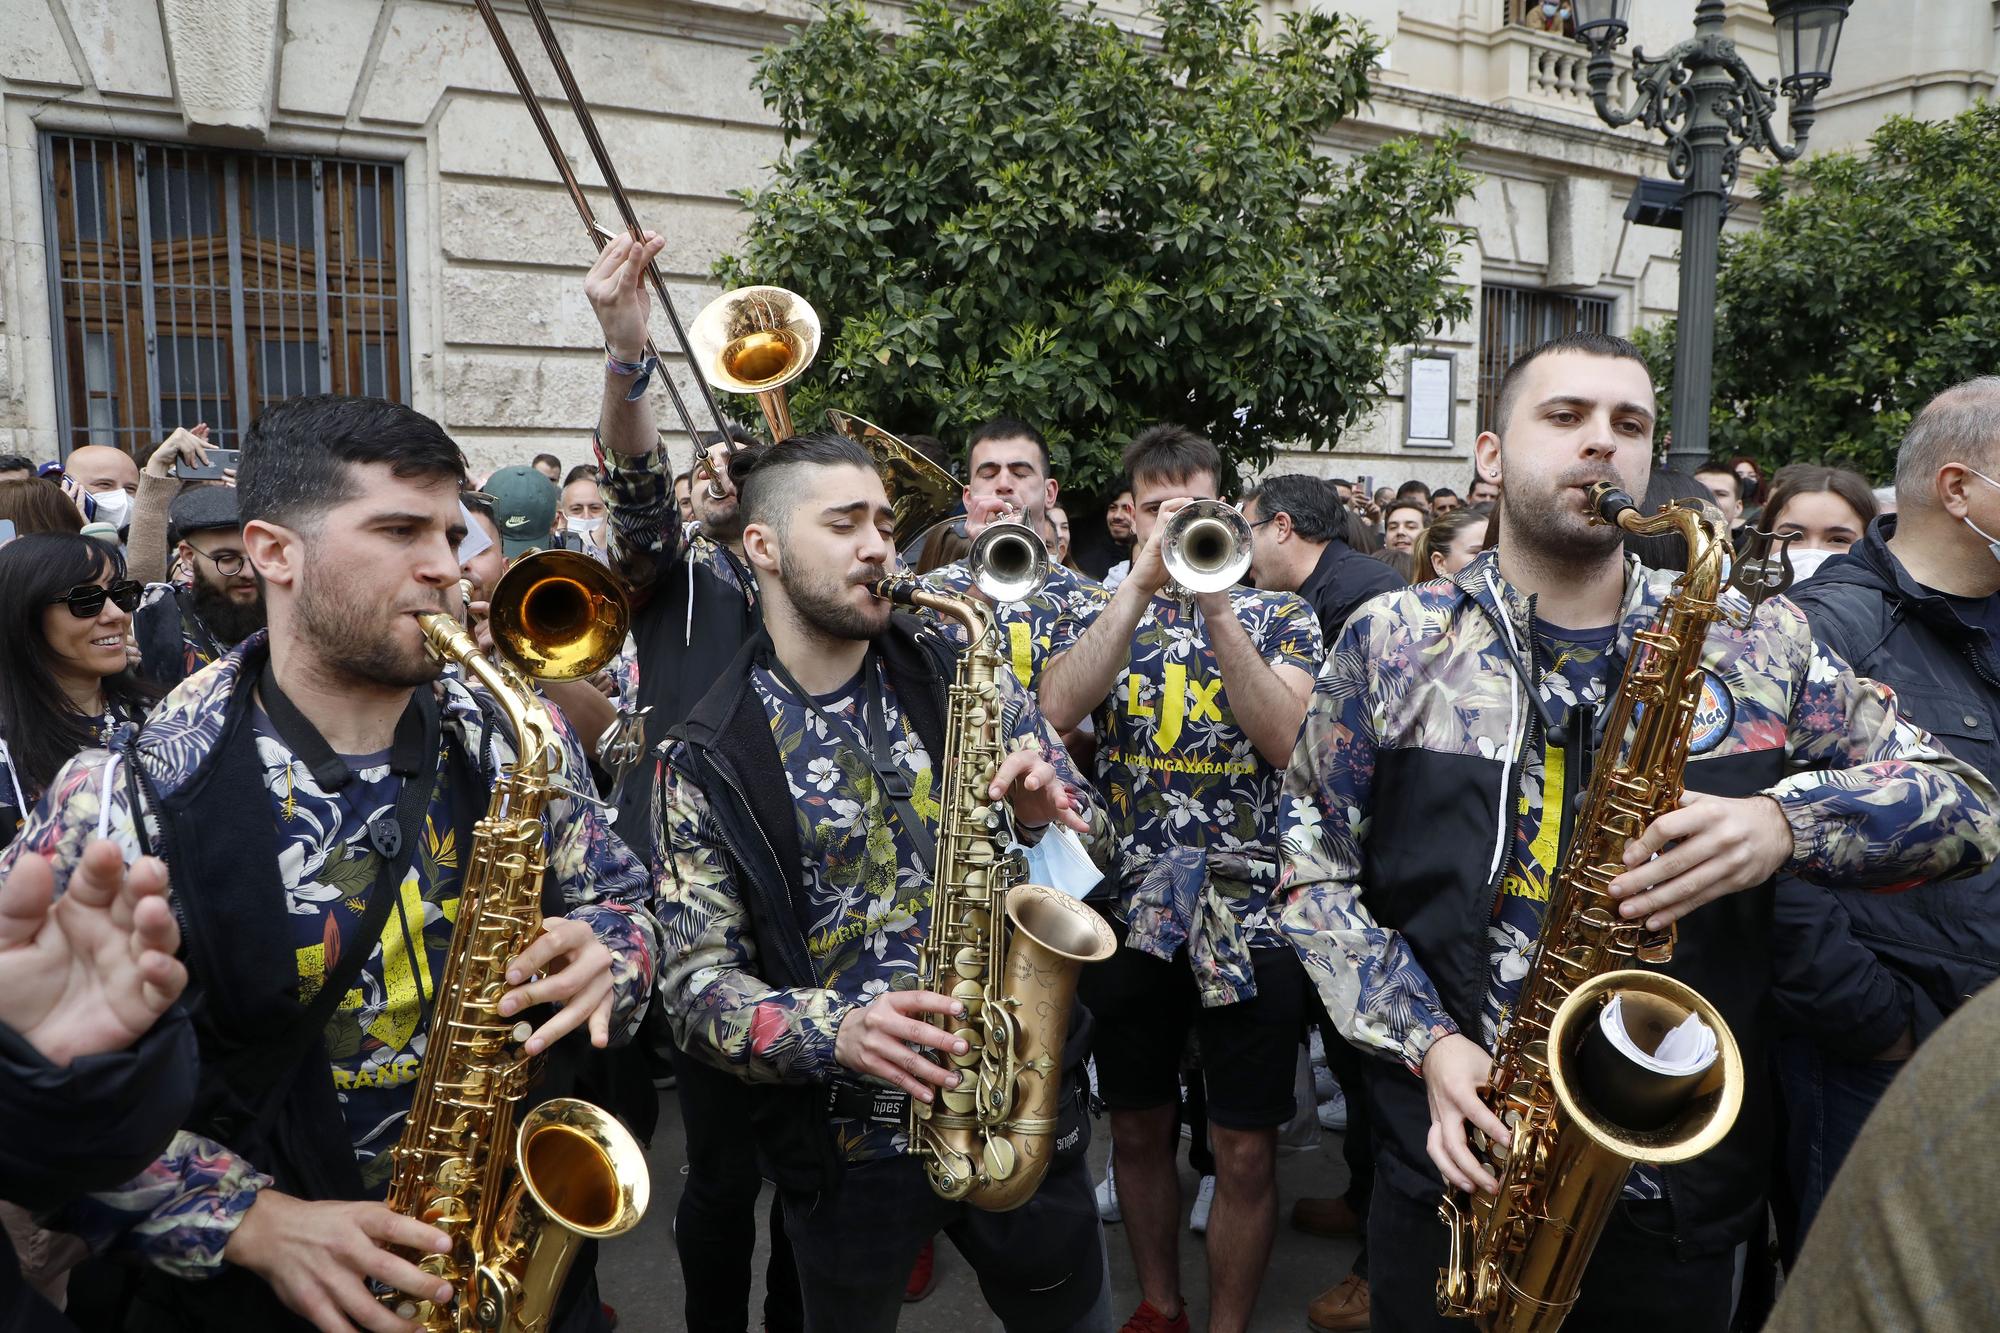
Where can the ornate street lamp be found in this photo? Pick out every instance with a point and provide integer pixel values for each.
(1705, 100)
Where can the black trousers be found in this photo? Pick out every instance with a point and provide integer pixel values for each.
(1634, 1283)
(715, 1226)
(1357, 1145)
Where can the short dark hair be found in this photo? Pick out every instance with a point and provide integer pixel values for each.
(1443, 490)
(768, 478)
(581, 472)
(1167, 452)
(550, 459)
(17, 463)
(1340, 481)
(299, 454)
(1413, 487)
(731, 431)
(1007, 428)
(684, 475)
(1795, 479)
(1717, 468)
(1588, 344)
(37, 504)
(1312, 504)
(1418, 505)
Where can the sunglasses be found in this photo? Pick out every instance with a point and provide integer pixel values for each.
(86, 600)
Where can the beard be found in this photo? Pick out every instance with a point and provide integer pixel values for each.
(348, 631)
(230, 621)
(721, 520)
(819, 600)
(1548, 521)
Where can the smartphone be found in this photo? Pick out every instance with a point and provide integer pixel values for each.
(218, 459)
(1366, 484)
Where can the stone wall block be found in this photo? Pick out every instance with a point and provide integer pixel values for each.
(540, 309)
(489, 137)
(429, 47)
(505, 224)
(326, 43)
(225, 63)
(122, 43)
(1580, 232)
(33, 51)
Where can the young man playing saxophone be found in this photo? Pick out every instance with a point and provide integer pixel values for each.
(795, 811)
(1432, 795)
(312, 794)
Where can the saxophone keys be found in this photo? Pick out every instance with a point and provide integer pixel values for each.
(999, 1158)
(970, 994)
(958, 1101)
(970, 1056)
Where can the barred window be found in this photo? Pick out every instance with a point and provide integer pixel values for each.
(196, 285)
(1513, 320)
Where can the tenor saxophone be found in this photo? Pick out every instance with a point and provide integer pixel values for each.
(1580, 1115)
(515, 1200)
(1008, 951)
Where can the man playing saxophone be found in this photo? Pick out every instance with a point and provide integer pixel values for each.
(1433, 792)
(795, 810)
(313, 795)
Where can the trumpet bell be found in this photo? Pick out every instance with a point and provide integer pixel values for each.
(1008, 561)
(1206, 547)
(559, 615)
(920, 492)
(754, 339)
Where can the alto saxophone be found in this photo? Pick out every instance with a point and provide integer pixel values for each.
(1581, 1115)
(516, 1201)
(1009, 951)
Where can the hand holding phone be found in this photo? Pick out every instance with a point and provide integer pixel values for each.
(220, 465)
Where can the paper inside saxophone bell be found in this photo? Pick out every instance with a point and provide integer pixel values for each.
(1060, 862)
(1687, 1049)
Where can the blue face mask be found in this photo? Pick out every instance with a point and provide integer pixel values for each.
(1992, 542)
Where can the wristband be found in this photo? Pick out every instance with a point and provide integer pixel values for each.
(643, 369)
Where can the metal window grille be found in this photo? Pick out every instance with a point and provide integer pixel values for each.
(1513, 320)
(195, 285)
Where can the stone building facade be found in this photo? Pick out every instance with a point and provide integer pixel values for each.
(207, 204)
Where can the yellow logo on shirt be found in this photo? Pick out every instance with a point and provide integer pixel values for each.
(1181, 700)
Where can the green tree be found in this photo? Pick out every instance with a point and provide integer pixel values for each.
(1019, 208)
(1869, 286)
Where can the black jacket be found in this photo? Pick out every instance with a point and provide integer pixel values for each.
(725, 749)
(1855, 969)
(91, 1126)
(1342, 580)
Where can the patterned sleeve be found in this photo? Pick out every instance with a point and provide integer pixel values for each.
(717, 1006)
(178, 1214)
(1290, 635)
(1881, 804)
(1079, 613)
(645, 520)
(1374, 989)
(605, 887)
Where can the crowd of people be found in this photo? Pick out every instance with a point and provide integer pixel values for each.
(1322, 812)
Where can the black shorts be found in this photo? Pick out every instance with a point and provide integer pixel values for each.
(1249, 1050)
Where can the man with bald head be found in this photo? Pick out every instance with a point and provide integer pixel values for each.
(109, 476)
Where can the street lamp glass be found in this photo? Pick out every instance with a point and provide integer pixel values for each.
(1602, 20)
(1808, 34)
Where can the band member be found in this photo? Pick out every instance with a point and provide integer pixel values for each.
(1416, 908)
(1196, 709)
(1008, 472)
(313, 794)
(795, 892)
(694, 607)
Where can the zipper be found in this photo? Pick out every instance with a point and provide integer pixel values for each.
(721, 769)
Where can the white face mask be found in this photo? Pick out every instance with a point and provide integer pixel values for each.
(113, 507)
(1805, 564)
(1992, 542)
(587, 528)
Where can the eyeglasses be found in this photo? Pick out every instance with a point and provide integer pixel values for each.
(1262, 521)
(86, 600)
(229, 564)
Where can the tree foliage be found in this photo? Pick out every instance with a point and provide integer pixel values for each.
(1019, 208)
(1872, 283)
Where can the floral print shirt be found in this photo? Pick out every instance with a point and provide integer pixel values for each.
(1175, 768)
(1870, 797)
(866, 890)
(179, 1215)
(1028, 626)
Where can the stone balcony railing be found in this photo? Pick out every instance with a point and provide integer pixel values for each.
(1546, 71)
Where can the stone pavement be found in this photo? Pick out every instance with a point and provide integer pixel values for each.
(641, 1275)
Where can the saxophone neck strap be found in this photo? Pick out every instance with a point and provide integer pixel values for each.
(890, 779)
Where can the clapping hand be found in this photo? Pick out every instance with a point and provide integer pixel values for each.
(91, 971)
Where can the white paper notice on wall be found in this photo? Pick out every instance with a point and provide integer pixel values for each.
(1429, 393)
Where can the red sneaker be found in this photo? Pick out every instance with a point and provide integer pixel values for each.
(1146, 1319)
(923, 1273)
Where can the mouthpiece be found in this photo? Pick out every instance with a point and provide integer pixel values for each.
(1609, 502)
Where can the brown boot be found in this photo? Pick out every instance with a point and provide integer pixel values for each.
(1325, 1217)
(1341, 1309)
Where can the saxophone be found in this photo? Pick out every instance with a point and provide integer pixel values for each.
(516, 1201)
(1581, 1114)
(1010, 952)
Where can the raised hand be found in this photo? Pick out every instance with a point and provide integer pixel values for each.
(91, 971)
(616, 286)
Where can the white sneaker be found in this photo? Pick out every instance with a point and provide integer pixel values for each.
(1107, 1196)
(1204, 1199)
(1325, 1085)
(1333, 1112)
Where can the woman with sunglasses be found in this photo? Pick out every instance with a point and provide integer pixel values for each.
(65, 680)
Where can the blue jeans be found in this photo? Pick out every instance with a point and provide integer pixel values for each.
(1827, 1100)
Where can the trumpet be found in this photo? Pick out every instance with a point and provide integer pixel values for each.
(1206, 548)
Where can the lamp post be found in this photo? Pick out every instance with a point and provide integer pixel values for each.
(1705, 100)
